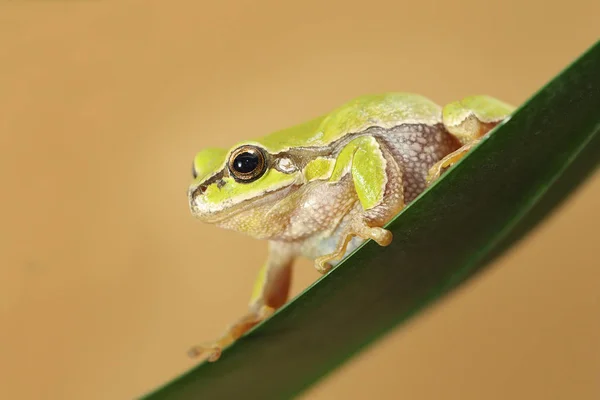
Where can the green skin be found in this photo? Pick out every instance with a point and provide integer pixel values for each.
(325, 186)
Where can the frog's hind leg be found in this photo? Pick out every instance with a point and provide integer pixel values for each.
(378, 186)
(270, 292)
(468, 120)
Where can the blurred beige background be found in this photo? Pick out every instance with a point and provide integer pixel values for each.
(106, 279)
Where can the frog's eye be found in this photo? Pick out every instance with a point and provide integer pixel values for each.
(247, 163)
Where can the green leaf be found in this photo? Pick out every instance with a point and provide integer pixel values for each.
(479, 208)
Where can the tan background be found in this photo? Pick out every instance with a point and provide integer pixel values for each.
(105, 277)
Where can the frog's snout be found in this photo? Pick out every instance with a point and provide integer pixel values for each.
(195, 193)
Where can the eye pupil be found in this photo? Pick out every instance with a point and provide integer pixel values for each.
(246, 162)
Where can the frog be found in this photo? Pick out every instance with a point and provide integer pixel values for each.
(322, 188)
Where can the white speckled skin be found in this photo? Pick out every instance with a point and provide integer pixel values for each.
(417, 148)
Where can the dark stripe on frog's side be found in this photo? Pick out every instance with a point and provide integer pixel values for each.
(301, 156)
(413, 180)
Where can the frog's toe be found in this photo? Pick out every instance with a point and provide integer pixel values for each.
(434, 173)
(322, 265)
(383, 237)
(212, 353)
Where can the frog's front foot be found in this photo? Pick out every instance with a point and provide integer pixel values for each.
(448, 161)
(381, 236)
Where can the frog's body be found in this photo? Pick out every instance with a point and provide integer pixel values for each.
(321, 188)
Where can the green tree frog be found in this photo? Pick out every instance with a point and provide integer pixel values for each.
(321, 188)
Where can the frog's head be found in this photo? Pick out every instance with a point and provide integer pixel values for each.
(228, 183)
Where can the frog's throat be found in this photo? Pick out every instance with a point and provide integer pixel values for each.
(220, 215)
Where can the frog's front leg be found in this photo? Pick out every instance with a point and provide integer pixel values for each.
(469, 120)
(270, 292)
(377, 185)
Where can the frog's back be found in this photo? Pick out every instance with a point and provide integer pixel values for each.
(409, 125)
(385, 110)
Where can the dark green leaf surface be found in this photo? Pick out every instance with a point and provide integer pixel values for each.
(494, 196)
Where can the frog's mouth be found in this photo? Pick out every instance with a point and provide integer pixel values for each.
(216, 213)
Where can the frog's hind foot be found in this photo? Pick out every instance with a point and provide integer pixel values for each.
(212, 351)
(438, 168)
